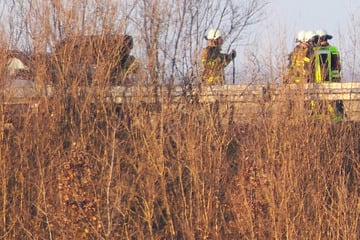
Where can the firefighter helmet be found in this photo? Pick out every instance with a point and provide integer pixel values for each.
(322, 33)
(213, 34)
(309, 36)
(300, 36)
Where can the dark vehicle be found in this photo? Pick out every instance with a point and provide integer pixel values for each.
(94, 60)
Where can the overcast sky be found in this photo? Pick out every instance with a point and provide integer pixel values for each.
(285, 18)
(294, 15)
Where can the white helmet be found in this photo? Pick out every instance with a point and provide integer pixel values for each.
(321, 32)
(300, 36)
(324, 34)
(213, 34)
(309, 35)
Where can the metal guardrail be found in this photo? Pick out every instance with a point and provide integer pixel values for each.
(238, 93)
(247, 98)
(232, 93)
(242, 95)
(331, 91)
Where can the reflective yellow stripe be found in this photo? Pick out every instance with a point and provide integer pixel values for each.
(318, 77)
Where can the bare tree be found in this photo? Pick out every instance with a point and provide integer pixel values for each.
(129, 192)
(169, 33)
(353, 61)
(173, 31)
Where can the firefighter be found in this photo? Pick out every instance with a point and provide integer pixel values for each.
(299, 60)
(213, 60)
(326, 64)
(326, 68)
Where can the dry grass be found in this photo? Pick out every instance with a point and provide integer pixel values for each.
(100, 171)
(84, 169)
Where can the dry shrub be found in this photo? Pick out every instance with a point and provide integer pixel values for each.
(84, 168)
(183, 171)
(81, 167)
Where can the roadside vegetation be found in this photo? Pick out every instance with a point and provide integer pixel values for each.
(81, 167)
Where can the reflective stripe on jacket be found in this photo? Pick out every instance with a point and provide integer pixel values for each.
(299, 64)
(326, 64)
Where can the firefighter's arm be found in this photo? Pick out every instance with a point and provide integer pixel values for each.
(204, 58)
(338, 65)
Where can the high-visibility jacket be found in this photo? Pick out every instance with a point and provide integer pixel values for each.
(326, 64)
(326, 68)
(213, 64)
(299, 64)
